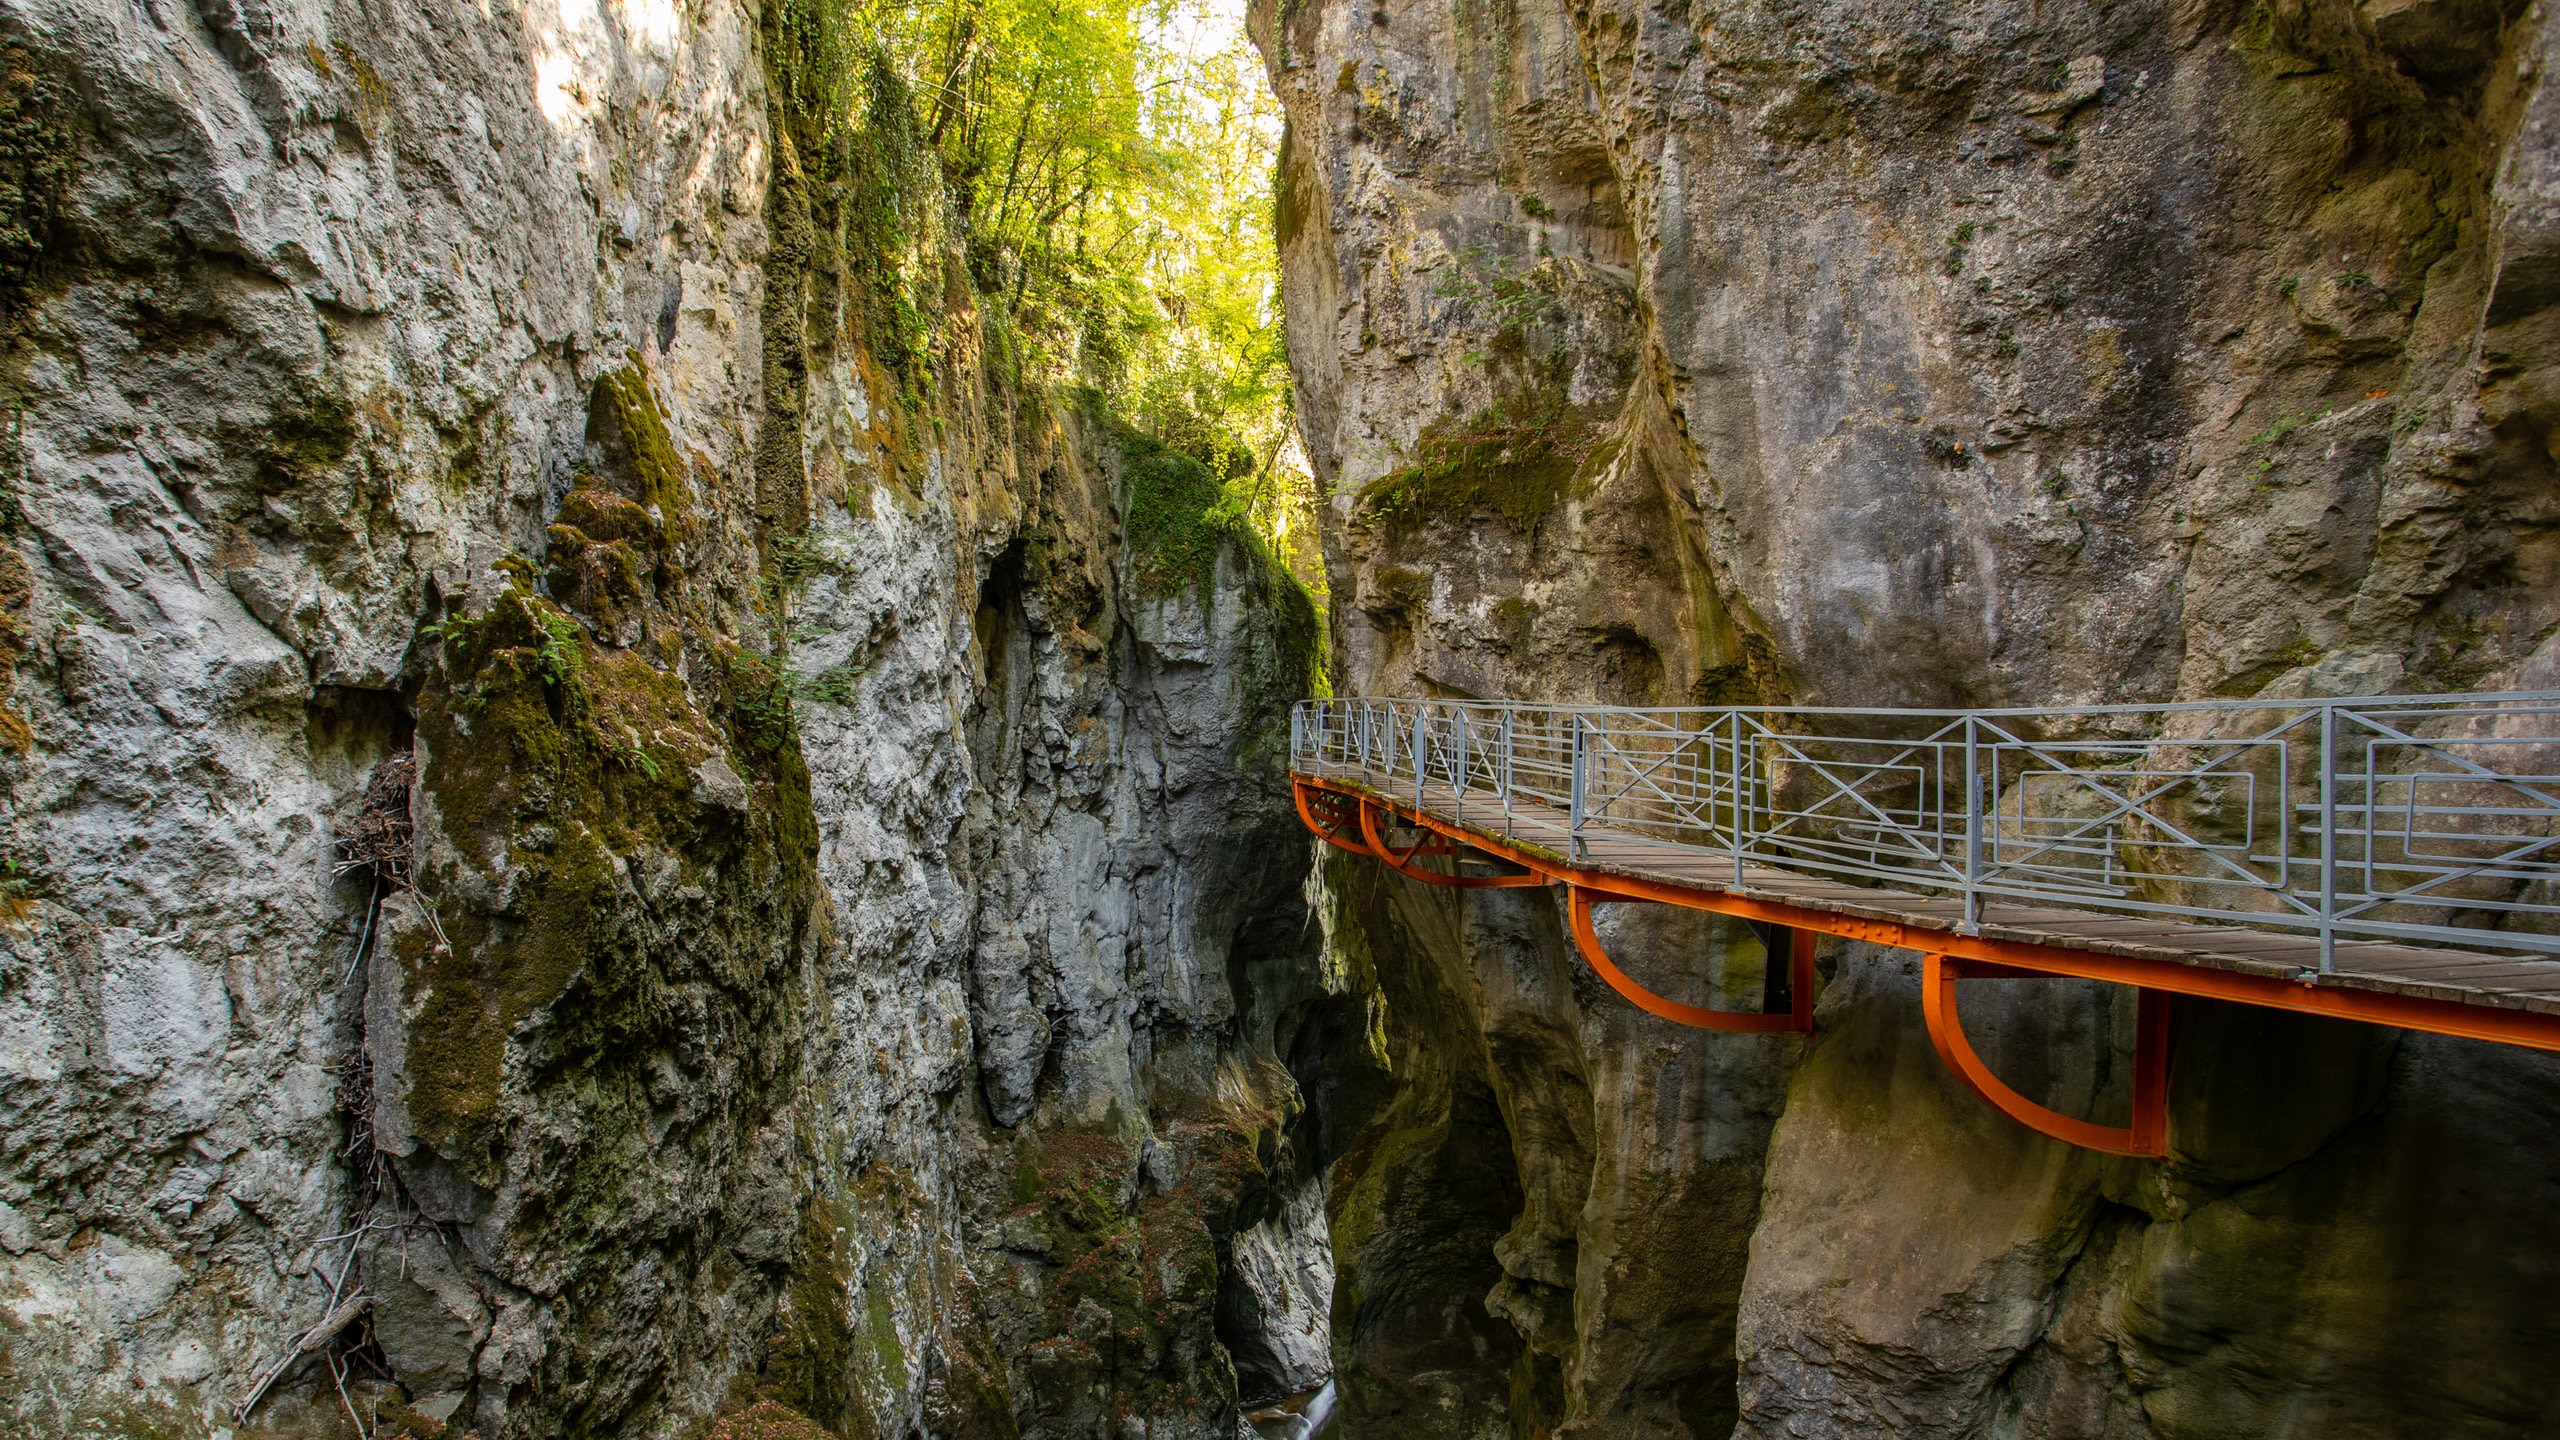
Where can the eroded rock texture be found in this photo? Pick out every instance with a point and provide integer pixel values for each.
(596, 828)
(1874, 354)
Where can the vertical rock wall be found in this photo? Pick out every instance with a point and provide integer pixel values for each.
(1874, 354)
(836, 947)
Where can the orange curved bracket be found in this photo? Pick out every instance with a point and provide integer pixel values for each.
(1332, 833)
(1396, 860)
(1947, 956)
(1578, 905)
(2146, 1138)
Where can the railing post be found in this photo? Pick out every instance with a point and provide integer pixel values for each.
(2329, 835)
(1506, 772)
(1421, 751)
(1573, 818)
(1733, 792)
(1972, 830)
(1465, 766)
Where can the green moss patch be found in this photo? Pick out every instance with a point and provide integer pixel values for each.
(1516, 461)
(1129, 1298)
(812, 1358)
(1175, 515)
(39, 156)
(623, 421)
(605, 1007)
(548, 758)
(768, 1420)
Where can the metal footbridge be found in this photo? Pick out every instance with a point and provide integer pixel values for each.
(2388, 860)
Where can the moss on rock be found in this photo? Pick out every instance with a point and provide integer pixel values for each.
(623, 420)
(39, 156)
(768, 1420)
(1175, 516)
(602, 1007)
(1516, 460)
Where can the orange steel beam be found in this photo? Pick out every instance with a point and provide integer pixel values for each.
(2146, 1138)
(2408, 1012)
(1308, 797)
(1395, 860)
(1578, 901)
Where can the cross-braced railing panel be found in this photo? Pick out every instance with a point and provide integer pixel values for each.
(2433, 818)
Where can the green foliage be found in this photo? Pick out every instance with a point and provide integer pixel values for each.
(1110, 165)
(1516, 459)
(1103, 174)
(760, 694)
(831, 686)
(562, 664)
(1513, 291)
(452, 627)
(2290, 423)
(795, 558)
(1176, 514)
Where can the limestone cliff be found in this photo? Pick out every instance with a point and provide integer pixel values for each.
(1875, 354)
(604, 829)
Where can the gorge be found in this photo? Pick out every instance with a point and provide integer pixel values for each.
(642, 800)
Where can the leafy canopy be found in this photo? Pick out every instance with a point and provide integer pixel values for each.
(1111, 161)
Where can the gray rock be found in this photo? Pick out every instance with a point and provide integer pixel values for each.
(1877, 354)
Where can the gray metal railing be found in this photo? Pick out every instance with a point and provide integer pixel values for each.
(2433, 819)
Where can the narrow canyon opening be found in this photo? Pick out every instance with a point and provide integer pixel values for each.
(1279, 719)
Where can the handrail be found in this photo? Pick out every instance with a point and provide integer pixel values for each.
(2429, 818)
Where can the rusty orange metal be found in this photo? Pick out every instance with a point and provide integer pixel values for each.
(1949, 956)
(2147, 1137)
(1578, 902)
(1395, 859)
(1310, 798)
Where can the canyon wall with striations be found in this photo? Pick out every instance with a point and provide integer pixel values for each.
(602, 834)
(1865, 353)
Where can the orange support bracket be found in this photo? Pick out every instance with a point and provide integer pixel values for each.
(1799, 1017)
(1947, 956)
(2146, 1138)
(1396, 859)
(1309, 798)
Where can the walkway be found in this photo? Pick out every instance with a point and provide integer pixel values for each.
(2394, 861)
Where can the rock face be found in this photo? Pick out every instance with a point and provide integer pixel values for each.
(1875, 354)
(597, 824)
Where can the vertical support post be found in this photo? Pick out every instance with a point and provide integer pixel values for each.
(2329, 836)
(1972, 829)
(1734, 791)
(1506, 772)
(1421, 752)
(1800, 965)
(1466, 767)
(2150, 1127)
(1573, 818)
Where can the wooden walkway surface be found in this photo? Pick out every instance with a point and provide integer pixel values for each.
(2459, 977)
